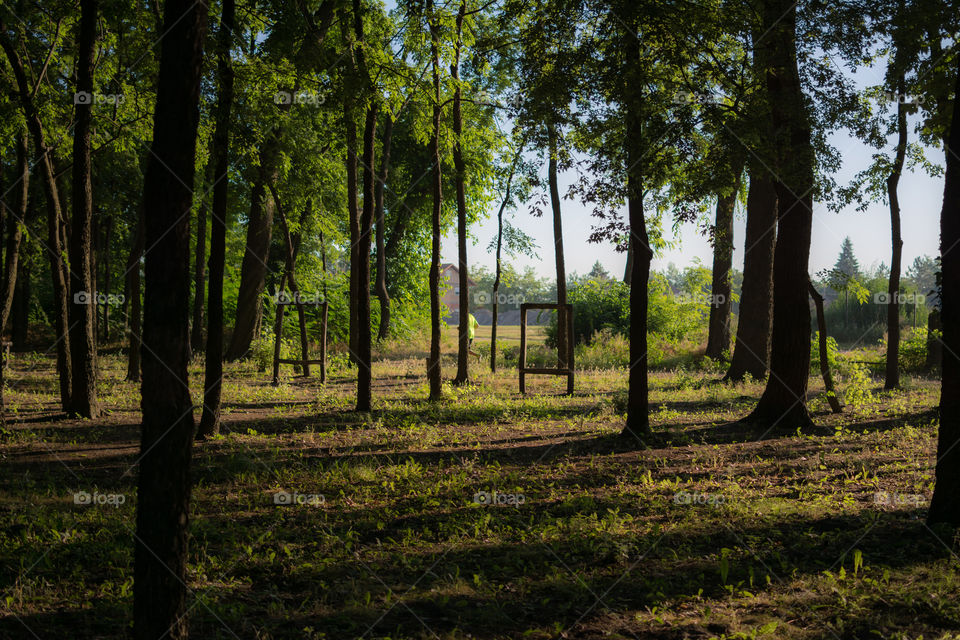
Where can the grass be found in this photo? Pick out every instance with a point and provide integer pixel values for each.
(708, 531)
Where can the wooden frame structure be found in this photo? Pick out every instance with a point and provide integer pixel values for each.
(304, 361)
(524, 369)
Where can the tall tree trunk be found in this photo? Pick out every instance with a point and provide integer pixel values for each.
(638, 419)
(944, 506)
(562, 330)
(199, 264)
(499, 268)
(892, 377)
(433, 362)
(751, 353)
(163, 490)
(55, 248)
(463, 341)
(718, 337)
(13, 221)
(363, 352)
(353, 205)
(364, 359)
(213, 362)
(253, 268)
(381, 284)
(783, 402)
(83, 311)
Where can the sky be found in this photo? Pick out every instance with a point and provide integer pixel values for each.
(921, 198)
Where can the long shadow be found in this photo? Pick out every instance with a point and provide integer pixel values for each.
(518, 586)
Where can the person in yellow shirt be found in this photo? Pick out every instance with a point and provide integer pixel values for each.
(472, 325)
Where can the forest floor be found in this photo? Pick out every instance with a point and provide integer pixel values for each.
(311, 521)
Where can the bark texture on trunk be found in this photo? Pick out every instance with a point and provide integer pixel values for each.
(783, 403)
(213, 360)
(945, 505)
(433, 362)
(718, 336)
(638, 419)
(83, 307)
(892, 377)
(562, 329)
(380, 287)
(460, 170)
(163, 489)
(199, 266)
(751, 352)
(253, 268)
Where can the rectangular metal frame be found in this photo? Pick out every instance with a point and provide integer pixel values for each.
(304, 361)
(524, 369)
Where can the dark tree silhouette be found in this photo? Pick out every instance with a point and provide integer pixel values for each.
(163, 490)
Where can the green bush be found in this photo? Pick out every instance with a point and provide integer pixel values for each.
(605, 350)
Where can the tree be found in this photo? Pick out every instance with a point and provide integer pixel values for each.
(463, 342)
(718, 336)
(220, 160)
(83, 345)
(783, 402)
(13, 220)
(42, 158)
(944, 506)
(751, 352)
(163, 489)
(433, 362)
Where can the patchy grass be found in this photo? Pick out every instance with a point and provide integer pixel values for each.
(709, 530)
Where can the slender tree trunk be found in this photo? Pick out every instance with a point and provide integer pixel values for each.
(213, 362)
(42, 155)
(751, 353)
(945, 507)
(718, 339)
(163, 490)
(199, 271)
(433, 362)
(364, 359)
(83, 311)
(499, 269)
(134, 314)
(892, 378)
(353, 205)
(381, 284)
(365, 222)
(562, 330)
(463, 340)
(638, 420)
(783, 402)
(824, 352)
(14, 224)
